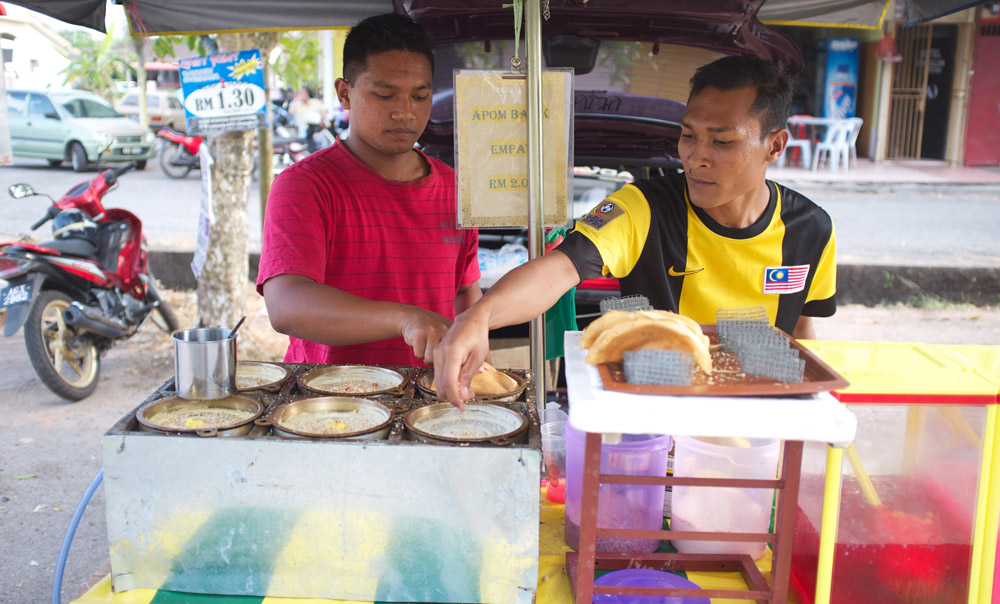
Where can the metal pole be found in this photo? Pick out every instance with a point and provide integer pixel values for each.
(533, 49)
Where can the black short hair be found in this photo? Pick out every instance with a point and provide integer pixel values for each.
(383, 33)
(774, 87)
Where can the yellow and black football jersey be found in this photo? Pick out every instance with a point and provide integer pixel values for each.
(658, 244)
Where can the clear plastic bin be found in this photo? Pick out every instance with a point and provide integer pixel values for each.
(723, 509)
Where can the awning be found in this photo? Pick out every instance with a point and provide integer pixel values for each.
(867, 14)
(86, 13)
(157, 17)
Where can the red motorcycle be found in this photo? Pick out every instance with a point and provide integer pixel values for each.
(178, 153)
(83, 290)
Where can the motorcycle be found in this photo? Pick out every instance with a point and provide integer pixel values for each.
(83, 290)
(178, 153)
(286, 152)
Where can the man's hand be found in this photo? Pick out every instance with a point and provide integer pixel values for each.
(422, 330)
(460, 355)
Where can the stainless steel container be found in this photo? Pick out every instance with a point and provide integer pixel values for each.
(281, 419)
(205, 363)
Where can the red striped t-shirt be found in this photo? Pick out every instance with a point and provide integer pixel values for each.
(332, 219)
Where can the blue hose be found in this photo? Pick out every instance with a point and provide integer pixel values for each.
(68, 539)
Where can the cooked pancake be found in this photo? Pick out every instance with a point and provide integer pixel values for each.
(614, 317)
(637, 334)
(492, 382)
(489, 382)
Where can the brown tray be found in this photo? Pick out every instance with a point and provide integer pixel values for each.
(818, 377)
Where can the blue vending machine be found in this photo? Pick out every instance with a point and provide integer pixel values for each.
(840, 89)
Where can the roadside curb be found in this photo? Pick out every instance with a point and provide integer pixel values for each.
(839, 186)
(869, 285)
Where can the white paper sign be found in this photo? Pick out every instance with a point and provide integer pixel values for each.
(491, 147)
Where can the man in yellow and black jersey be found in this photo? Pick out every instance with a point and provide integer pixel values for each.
(720, 235)
(660, 245)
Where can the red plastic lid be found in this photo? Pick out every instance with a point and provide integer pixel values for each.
(645, 577)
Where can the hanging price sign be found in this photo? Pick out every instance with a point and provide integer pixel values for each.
(224, 92)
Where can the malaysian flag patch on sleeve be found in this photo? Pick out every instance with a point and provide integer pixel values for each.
(785, 279)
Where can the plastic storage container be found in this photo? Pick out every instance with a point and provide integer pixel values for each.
(620, 506)
(723, 509)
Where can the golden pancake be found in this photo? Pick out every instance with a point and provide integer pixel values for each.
(489, 382)
(614, 317)
(605, 321)
(611, 344)
(492, 382)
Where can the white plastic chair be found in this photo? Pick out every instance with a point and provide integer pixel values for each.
(834, 146)
(852, 142)
(802, 143)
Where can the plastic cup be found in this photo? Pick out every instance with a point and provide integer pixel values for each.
(554, 458)
(205, 363)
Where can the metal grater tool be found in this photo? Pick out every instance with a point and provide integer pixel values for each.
(781, 364)
(733, 322)
(759, 348)
(626, 303)
(658, 367)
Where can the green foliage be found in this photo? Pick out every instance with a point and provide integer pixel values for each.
(297, 63)
(95, 64)
(619, 57)
(163, 46)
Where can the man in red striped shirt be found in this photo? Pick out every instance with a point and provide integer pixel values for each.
(362, 261)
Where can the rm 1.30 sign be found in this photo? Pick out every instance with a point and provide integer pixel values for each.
(208, 102)
(224, 92)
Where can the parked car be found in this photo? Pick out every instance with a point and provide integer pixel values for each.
(162, 107)
(75, 126)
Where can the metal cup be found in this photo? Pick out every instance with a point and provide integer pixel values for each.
(205, 363)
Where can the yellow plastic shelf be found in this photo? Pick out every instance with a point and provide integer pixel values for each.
(906, 372)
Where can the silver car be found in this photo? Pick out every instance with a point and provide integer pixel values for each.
(75, 126)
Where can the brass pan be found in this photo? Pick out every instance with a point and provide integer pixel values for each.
(150, 415)
(443, 423)
(280, 418)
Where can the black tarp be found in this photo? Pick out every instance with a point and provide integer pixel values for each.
(86, 13)
(153, 17)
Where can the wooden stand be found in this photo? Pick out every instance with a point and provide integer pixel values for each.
(583, 563)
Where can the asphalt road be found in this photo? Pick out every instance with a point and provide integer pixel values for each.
(905, 224)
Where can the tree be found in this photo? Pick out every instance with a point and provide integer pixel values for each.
(96, 64)
(223, 278)
(298, 62)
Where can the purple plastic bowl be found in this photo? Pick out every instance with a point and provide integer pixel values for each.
(645, 577)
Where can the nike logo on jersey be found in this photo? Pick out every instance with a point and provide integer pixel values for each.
(675, 273)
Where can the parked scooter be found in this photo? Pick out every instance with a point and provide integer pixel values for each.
(286, 153)
(179, 153)
(83, 290)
